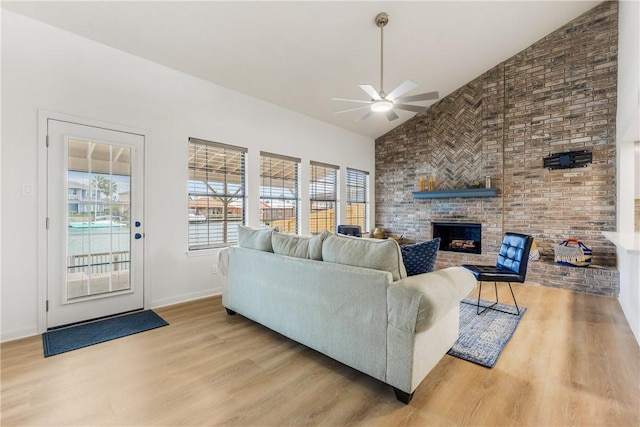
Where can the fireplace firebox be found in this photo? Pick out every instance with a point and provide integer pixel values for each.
(458, 237)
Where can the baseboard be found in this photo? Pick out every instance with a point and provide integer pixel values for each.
(184, 298)
(19, 334)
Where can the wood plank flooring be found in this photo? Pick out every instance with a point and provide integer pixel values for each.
(572, 361)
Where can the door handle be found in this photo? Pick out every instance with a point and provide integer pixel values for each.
(137, 236)
(138, 224)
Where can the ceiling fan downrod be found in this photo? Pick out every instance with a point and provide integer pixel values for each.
(381, 20)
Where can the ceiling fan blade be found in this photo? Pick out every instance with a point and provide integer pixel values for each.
(367, 114)
(352, 109)
(351, 100)
(414, 108)
(404, 87)
(420, 97)
(370, 90)
(391, 115)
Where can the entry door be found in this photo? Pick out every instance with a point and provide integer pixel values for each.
(95, 230)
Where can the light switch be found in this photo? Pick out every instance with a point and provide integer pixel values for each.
(27, 189)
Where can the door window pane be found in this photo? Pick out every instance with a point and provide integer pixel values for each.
(98, 221)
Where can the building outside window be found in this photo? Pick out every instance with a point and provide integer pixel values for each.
(280, 192)
(216, 189)
(323, 195)
(358, 199)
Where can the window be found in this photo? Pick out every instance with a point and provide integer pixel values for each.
(323, 195)
(358, 199)
(279, 192)
(216, 193)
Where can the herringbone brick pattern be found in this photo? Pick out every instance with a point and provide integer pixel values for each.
(456, 129)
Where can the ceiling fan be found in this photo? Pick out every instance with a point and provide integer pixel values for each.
(385, 103)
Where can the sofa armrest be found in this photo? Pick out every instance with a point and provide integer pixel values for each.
(417, 302)
(223, 262)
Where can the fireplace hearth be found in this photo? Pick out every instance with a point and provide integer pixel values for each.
(458, 237)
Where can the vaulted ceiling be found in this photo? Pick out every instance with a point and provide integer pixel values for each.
(299, 55)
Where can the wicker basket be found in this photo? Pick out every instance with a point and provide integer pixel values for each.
(577, 255)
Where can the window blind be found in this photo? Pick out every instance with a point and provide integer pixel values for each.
(358, 198)
(216, 188)
(323, 195)
(279, 192)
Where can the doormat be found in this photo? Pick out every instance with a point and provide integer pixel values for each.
(483, 337)
(75, 337)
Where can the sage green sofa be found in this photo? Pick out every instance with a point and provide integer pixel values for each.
(348, 298)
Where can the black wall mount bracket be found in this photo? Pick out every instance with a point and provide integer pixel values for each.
(568, 160)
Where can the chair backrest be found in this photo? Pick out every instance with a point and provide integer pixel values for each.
(350, 230)
(514, 253)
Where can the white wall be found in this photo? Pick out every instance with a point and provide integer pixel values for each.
(49, 69)
(628, 131)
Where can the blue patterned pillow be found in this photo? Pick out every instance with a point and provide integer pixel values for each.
(421, 257)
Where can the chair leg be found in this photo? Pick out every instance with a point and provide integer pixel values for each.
(478, 311)
(514, 300)
(491, 307)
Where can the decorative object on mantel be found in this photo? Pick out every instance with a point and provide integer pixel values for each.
(464, 192)
(422, 184)
(573, 256)
(432, 183)
(568, 160)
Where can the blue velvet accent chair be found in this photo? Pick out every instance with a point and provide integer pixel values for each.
(511, 267)
(350, 230)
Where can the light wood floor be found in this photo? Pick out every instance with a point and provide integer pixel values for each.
(572, 361)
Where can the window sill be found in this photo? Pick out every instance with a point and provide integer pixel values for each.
(204, 252)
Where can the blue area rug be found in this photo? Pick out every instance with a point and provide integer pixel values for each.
(75, 337)
(483, 337)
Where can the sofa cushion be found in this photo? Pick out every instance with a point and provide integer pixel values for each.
(368, 253)
(293, 245)
(254, 238)
(421, 257)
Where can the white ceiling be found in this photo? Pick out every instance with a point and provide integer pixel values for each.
(300, 54)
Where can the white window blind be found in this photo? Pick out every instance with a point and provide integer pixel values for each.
(358, 199)
(216, 193)
(279, 192)
(323, 195)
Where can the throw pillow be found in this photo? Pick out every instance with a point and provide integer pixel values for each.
(254, 238)
(421, 257)
(368, 253)
(293, 245)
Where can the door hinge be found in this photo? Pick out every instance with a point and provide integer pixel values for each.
(47, 141)
(47, 223)
(47, 306)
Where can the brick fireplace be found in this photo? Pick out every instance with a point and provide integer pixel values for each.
(556, 96)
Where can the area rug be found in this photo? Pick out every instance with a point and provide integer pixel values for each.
(79, 336)
(483, 337)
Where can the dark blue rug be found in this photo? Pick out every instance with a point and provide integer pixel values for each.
(75, 337)
(483, 337)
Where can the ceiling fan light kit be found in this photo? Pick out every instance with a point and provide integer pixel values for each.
(381, 106)
(381, 102)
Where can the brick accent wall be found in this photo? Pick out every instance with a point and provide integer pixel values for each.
(557, 95)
